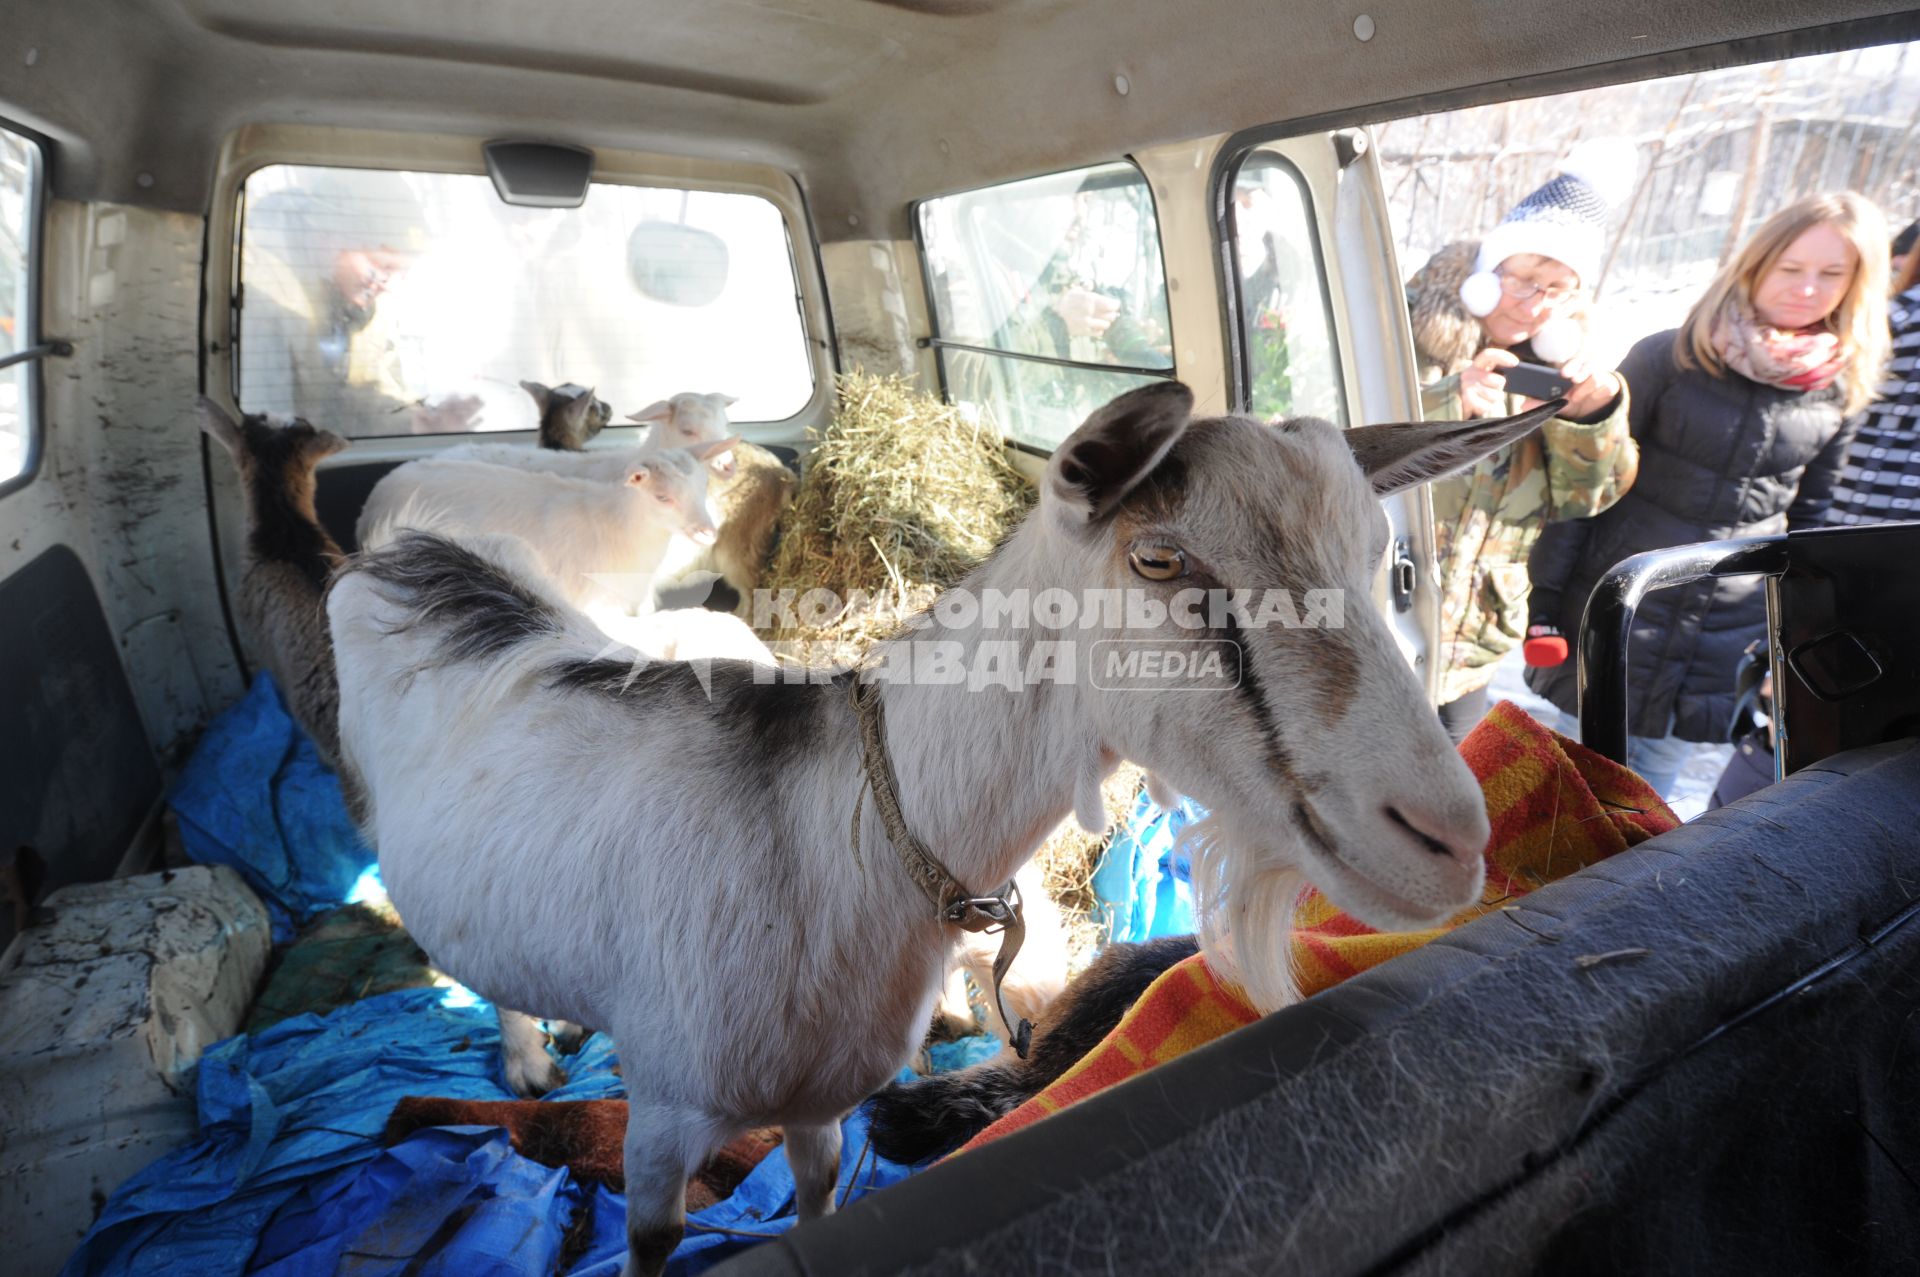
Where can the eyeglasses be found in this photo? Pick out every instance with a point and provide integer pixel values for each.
(1523, 289)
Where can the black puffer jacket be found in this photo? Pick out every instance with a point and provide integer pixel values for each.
(1720, 457)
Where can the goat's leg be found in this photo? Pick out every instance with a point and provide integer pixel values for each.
(953, 1014)
(568, 1036)
(664, 1145)
(523, 1055)
(814, 1154)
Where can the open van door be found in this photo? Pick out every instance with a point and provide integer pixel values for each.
(1316, 324)
(1259, 270)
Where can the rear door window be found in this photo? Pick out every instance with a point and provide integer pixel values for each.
(19, 198)
(390, 303)
(1290, 358)
(1049, 296)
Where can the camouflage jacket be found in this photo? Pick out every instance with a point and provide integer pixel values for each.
(1486, 519)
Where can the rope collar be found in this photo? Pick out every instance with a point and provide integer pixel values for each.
(952, 902)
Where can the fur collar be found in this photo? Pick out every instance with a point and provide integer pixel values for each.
(1445, 336)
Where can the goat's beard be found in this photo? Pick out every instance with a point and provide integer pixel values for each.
(1244, 896)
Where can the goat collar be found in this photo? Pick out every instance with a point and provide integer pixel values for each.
(951, 900)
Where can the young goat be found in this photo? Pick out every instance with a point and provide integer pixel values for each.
(569, 415)
(751, 488)
(755, 490)
(289, 556)
(753, 967)
(600, 542)
(917, 1121)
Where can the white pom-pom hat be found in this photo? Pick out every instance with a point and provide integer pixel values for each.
(1566, 219)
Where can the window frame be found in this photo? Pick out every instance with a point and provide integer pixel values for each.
(251, 149)
(1234, 313)
(33, 381)
(936, 343)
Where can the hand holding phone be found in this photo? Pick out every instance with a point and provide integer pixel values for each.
(1536, 381)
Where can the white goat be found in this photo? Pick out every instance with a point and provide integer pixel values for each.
(601, 542)
(686, 421)
(749, 964)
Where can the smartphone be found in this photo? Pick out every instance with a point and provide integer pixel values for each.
(1536, 381)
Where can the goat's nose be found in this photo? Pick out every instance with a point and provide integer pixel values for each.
(1454, 848)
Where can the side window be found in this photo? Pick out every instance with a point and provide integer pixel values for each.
(20, 176)
(1049, 298)
(1289, 364)
(389, 303)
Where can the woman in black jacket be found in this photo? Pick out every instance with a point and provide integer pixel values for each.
(1739, 416)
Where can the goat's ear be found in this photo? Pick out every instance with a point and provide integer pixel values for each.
(714, 447)
(1114, 449)
(662, 410)
(541, 395)
(574, 415)
(1402, 454)
(729, 400)
(216, 421)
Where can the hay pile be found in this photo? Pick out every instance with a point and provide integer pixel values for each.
(902, 497)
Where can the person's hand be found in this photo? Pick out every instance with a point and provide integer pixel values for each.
(1483, 391)
(451, 415)
(1087, 313)
(1592, 389)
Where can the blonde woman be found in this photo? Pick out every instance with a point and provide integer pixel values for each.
(1740, 416)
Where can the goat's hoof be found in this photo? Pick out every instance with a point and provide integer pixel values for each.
(534, 1078)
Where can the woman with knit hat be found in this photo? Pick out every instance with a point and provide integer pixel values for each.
(1518, 295)
(1739, 417)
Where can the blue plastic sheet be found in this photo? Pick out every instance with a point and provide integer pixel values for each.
(1143, 883)
(289, 1177)
(256, 796)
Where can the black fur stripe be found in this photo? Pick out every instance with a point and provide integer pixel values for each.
(484, 611)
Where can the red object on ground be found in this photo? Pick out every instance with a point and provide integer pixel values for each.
(582, 1135)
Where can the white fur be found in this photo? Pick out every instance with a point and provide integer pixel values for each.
(686, 634)
(687, 420)
(752, 968)
(600, 542)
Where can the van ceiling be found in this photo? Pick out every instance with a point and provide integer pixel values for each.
(871, 102)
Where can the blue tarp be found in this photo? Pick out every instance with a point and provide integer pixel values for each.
(289, 1177)
(256, 796)
(1143, 882)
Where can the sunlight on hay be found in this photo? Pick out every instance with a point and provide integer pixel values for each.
(902, 497)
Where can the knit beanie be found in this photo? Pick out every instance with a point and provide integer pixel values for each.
(1566, 219)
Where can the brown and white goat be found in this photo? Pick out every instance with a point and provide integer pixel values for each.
(750, 965)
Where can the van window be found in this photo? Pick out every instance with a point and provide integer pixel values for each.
(1290, 364)
(1049, 297)
(384, 303)
(19, 197)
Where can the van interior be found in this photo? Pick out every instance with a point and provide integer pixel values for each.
(756, 197)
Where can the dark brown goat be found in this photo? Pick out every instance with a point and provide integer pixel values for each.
(289, 559)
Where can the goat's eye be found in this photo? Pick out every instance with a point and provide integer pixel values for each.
(663, 498)
(1162, 563)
